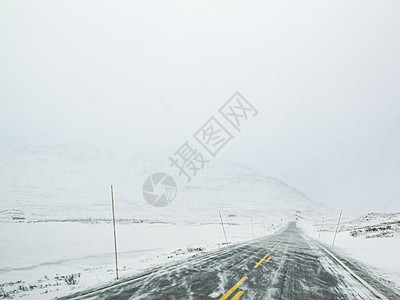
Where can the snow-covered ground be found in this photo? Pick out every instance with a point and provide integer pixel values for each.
(373, 240)
(56, 232)
(41, 260)
(55, 211)
(47, 259)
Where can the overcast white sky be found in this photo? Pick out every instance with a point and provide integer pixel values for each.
(324, 76)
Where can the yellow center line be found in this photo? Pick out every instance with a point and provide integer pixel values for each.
(238, 295)
(260, 262)
(276, 246)
(228, 293)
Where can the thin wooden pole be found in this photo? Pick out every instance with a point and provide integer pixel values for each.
(223, 227)
(322, 225)
(337, 228)
(115, 234)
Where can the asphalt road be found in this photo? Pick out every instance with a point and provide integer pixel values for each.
(285, 265)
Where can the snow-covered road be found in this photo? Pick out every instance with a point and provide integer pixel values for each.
(285, 265)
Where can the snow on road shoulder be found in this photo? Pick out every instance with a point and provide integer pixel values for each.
(373, 240)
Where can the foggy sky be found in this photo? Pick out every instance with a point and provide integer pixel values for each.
(137, 76)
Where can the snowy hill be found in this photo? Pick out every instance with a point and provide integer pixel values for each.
(238, 190)
(74, 183)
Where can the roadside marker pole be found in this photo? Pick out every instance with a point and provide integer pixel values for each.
(223, 227)
(337, 228)
(322, 225)
(115, 234)
(252, 229)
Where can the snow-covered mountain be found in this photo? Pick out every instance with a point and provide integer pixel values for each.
(238, 190)
(74, 183)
